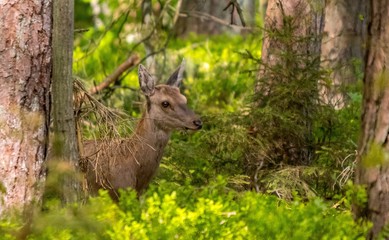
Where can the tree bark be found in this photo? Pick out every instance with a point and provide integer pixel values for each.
(343, 49)
(373, 159)
(65, 149)
(25, 69)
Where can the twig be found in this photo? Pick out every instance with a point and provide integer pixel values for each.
(177, 12)
(130, 62)
(81, 30)
(207, 16)
(96, 43)
(256, 176)
(235, 5)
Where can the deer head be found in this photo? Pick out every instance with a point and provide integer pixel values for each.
(166, 106)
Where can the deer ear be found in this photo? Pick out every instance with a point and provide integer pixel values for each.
(146, 81)
(176, 78)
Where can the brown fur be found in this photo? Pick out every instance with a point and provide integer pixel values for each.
(134, 161)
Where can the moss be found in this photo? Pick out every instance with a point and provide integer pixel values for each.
(375, 157)
(381, 83)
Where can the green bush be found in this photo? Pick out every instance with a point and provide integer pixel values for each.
(170, 211)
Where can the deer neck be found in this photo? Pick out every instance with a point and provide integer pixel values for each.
(152, 136)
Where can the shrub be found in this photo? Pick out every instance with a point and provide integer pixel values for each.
(170, 211)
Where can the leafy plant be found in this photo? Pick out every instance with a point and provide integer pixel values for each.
(169, 211)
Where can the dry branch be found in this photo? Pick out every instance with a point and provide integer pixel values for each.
(110, 126)
(235, 5)
(130, 62)
(206, 16)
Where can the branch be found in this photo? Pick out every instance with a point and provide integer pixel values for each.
(207, 16)
(81, 30)
(235, 5)
(177, 13)
(130, 62)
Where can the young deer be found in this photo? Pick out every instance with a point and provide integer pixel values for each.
(133, 162)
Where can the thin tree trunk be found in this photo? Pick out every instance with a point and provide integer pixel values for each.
(147, 16)
(65, 149)
(373, 159)
(25, 69)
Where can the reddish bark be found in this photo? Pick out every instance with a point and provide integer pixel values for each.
(25, 69)
(373, 161)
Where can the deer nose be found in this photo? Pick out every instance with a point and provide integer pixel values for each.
(198, 123)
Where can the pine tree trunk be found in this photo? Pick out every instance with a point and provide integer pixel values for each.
(373, 160)
(343, 45)
(25, 69)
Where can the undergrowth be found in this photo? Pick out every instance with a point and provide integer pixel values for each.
(235, 179)
(172, 211)
(283, 142)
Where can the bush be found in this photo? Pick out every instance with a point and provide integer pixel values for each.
(170, 211)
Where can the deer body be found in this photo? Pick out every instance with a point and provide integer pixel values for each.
(133, 162)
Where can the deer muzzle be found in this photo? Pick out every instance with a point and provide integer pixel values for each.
(198, 123)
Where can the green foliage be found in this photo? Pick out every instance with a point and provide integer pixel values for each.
(375, 157)
(381, 83)
(83, 14)
(384, 234)
(215, 84)
(185, 212)
(287, 126)
(288, 144)
(287, 101)
(307, 146)
(215, 79)
(336, 133)
(334, 137)
(218, 150)
(9, 227)
(201, 190)
(355, 194)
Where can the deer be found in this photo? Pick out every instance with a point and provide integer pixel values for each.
(132, 162)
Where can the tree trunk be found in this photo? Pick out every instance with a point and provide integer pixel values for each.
(373, 160)
(25, 69)
(342, 48)
(147, 16)
(65, 149)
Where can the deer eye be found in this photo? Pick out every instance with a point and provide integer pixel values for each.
(165, 104)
